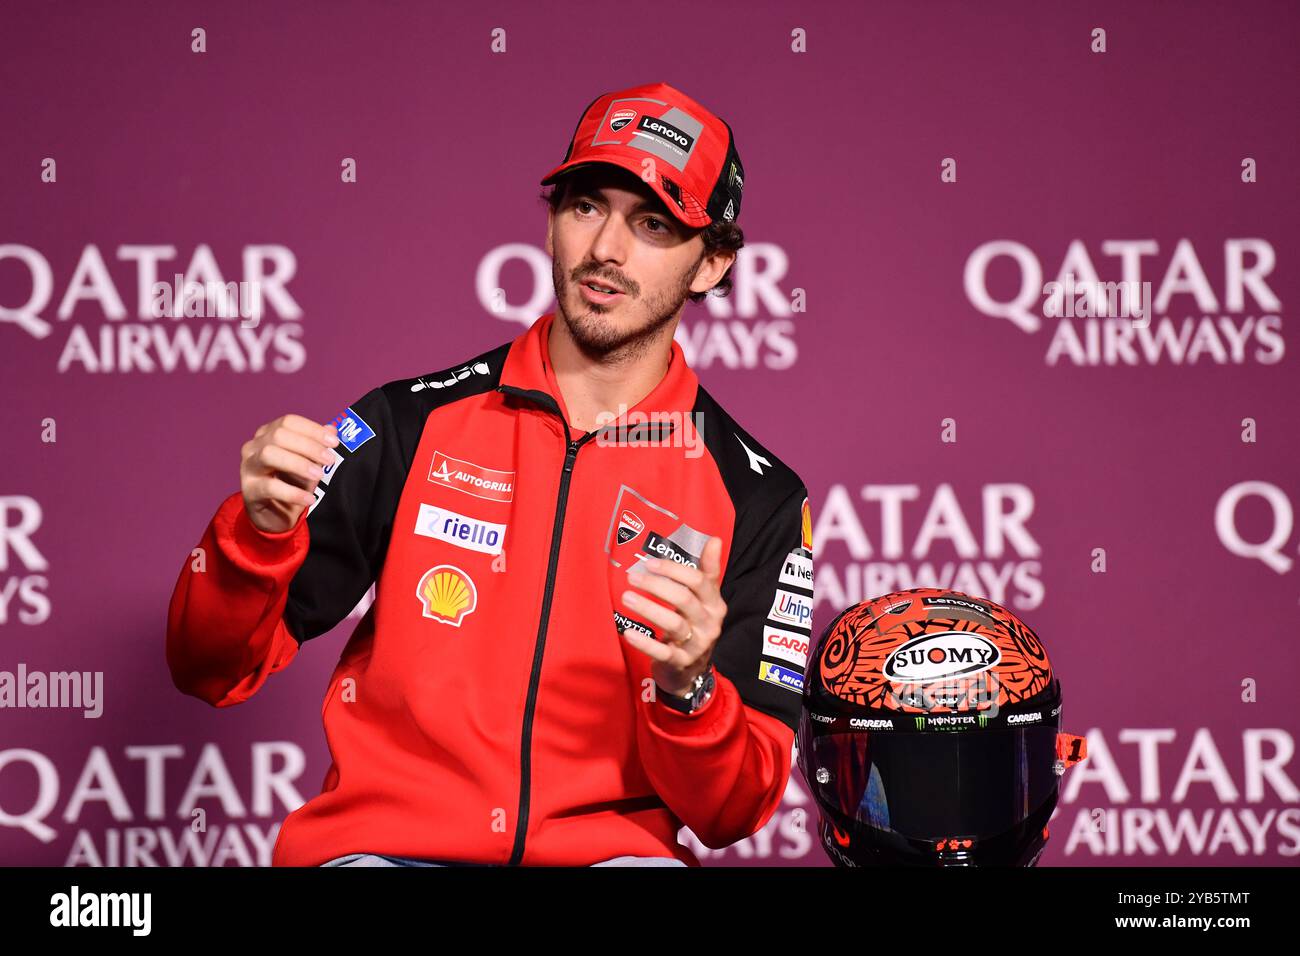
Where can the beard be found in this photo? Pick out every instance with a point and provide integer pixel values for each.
(599, 333)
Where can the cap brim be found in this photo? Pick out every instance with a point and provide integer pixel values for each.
(633, 166)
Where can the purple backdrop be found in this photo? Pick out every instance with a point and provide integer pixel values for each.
(911, 169)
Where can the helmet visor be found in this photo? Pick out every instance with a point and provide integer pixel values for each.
(935, 785)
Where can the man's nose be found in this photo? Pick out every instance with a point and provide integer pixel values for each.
(612, 240)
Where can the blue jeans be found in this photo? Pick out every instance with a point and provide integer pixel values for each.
(376, 859)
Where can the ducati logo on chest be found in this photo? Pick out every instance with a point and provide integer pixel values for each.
(629, 526)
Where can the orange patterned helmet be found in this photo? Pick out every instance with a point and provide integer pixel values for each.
(930, 733)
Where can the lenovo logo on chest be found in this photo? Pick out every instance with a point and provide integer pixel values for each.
(663, 548)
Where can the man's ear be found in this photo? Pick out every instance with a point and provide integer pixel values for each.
(712, 269)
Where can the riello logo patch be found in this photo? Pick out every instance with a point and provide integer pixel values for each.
(941, 656)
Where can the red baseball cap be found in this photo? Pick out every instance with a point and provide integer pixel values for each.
(696, 169)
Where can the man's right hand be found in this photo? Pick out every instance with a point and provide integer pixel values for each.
(280, 468)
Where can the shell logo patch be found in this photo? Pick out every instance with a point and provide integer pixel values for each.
(807, 542)
(447, 594)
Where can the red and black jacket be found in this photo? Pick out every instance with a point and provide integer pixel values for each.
(486, 708)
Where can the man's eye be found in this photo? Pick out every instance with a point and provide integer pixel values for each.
(659, 222)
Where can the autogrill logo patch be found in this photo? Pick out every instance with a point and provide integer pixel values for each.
(472, 479)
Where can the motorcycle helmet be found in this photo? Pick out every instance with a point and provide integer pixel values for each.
(930, 733)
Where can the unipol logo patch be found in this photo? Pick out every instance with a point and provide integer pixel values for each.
(941, 656)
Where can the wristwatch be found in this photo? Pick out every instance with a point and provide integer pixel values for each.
(701, 690)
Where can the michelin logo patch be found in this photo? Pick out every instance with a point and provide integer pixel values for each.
(781, 676)
(353, 430)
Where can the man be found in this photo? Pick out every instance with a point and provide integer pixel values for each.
(517, 693)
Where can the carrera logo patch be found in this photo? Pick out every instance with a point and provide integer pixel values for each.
(786, 645)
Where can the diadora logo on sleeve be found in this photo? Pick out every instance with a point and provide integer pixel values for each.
(460, 530)
(353, 430)
(786, 645)
(781, 676)
(450, 377)
(489, 483)
(447, 594)
(789, 607)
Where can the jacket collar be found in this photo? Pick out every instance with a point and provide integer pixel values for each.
(528, 374)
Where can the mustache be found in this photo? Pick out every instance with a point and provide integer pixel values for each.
(597, 279)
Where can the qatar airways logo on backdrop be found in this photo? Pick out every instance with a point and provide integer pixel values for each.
(874, 539)
(754, 327)
(147, 804)
(23, 567)
(1156, 793)
(147, 313)
(1241, 536)
(1170, 311)
(1143, 796)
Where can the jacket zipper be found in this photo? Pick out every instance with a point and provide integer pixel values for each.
(557, 529)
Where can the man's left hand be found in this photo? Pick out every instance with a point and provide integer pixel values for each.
(691, 630)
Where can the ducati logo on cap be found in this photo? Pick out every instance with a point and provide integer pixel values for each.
(621, 118)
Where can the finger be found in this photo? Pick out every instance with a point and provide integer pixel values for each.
(670, 591)
(664, 619)
(309, 446)
(306, 426)
(711, 559)
(287, 464)
(271, 488)
(684, 574)
(649, 646)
